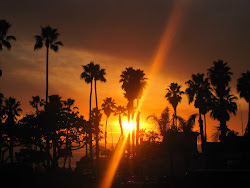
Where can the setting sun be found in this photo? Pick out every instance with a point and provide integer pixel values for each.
(127, 126)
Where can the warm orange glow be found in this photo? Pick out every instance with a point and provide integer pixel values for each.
(114, 162)
(128, 126)
(167, 39)
(161, 54)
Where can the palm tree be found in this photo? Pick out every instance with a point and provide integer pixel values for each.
(120, 110)
(243, 87)
(99, 76)
(12, 110)
(152, 136)
(162, 121)
(96, 119)
(133, 83)
(223, 102)
(198, 91)
(174, 98)
(4, 39)
(48, 38)
(108, 107)
(36, 101)
(186, 126)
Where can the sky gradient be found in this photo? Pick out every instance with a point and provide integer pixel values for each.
(120, 34)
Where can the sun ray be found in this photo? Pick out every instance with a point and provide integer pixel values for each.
(161, 54)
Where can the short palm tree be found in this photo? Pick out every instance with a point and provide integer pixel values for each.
(174, 98)
(162, 121)
(152, 136)
(223, 102)
(198, 91)
(120, 110)
(12, 110)
(108, 107)
(48, 38)
(243, 87)
(4, 38)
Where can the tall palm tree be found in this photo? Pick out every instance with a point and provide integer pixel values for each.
(198, 91)
(133, 83)
(120, 110)
(108, 107)
(48, 38)
(223, 102)
(12, 110)
(243, 87)
(174, 98)
(92, 72)
(99, 76)
(4, 38)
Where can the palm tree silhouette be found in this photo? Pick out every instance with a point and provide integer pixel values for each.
(108, 107)
(133, 83)
(12, 110)
(92, 72)
(120, 110)
(198, 91)
(186, 126)
(222, 104)
(174, 97)
(96, 119)
(4, 39)
(48, 38)
(36, 102)
(243, 87)
(162, 121)
(152, 136)
(99, 76)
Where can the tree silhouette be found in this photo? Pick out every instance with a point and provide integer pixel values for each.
(222, 104)
(48, 38)
(133, 83)
(243, 88)
(12, 110)
(198, 91)
(4, 38)
(108, 107)
(163, 121)
(152, 136)
(92, 72)
(120, 110)
(174, 98)
(186, 126)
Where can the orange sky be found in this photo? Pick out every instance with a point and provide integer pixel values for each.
(120, 34)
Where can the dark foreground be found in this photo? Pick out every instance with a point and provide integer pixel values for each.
(13, 176)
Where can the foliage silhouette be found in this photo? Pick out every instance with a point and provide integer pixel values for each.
(108, 107)
(48, 38)
(223, 102)
(120, 111)
(174, 97)
(198, 91)
(243, 87)
(4, 38)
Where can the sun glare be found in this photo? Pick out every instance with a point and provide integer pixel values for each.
(128, 126)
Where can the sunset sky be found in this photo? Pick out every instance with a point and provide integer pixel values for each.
(169, 40)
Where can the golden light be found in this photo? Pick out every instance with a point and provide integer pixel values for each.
(161, 54)
(127, 126)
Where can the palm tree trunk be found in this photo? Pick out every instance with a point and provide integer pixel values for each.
(90, 124)
(96, 95)
(11, 149)
(223, 128)
(120, 122)
(205, 124)
(105, 145)
(47, 74)
(201, 132)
